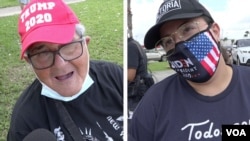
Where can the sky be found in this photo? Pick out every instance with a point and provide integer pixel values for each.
(231, 15)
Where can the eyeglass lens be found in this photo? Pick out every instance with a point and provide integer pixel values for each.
(68, 52)
(183, 33)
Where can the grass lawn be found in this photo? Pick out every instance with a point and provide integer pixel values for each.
(8, 3)
(104, 26)
(158, 66)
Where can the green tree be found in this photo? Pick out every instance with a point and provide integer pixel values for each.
(232, 41)
(246, 34)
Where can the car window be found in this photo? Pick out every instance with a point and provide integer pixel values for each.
(243, 43)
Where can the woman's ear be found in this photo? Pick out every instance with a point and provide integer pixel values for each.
(25, 56)
(87, 39)
(215, 29)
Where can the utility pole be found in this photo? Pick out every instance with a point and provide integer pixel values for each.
(129, 20)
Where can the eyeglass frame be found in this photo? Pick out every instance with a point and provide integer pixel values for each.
(81, 40)
(167, 49)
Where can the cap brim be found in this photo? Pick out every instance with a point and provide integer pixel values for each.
(153, 35)
(59, 34)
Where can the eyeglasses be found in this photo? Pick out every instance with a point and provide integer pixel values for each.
(183, 33)
(46, 59)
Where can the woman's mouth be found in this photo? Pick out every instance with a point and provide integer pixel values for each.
(64, 77)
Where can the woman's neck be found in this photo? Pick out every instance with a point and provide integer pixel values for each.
(218, 83)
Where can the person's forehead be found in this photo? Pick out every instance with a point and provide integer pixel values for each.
(49, 45)
(39, 45)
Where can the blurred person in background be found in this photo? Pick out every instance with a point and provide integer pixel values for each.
(137, 73)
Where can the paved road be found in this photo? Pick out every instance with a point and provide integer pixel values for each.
(16, 9)
(159, 75)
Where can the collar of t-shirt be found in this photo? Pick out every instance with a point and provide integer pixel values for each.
(48, 92)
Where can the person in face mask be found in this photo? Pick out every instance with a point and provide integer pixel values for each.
(204, 93)
(73, 97)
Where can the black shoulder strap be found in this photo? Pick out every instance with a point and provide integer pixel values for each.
(68, 122)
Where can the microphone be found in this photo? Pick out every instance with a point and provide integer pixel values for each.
(40, 135)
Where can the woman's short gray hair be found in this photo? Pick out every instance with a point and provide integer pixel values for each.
(80, 30)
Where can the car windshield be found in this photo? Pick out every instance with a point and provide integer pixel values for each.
(243, 43)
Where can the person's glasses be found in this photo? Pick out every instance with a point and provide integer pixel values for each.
(183, 33)
(68, 52)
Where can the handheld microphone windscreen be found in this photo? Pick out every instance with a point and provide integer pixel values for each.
(40, 135)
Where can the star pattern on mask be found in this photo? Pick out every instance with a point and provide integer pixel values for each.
(200, 46)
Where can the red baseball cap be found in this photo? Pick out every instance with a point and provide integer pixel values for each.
(46, 21)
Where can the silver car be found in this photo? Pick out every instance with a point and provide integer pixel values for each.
(241, 52)
(156, 54)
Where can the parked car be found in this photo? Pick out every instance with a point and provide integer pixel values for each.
(156, 54)
(227, 54)
(241, 52)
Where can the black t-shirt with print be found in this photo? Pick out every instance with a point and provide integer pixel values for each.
(172, 110)
(98, 112)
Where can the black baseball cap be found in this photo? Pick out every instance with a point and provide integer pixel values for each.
(174, 10)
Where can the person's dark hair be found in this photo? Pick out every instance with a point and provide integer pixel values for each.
(208, 20)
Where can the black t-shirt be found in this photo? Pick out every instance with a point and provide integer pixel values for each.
(172, 110)
(98, 112)
(137, 59)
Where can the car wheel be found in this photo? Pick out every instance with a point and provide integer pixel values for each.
(164, 58)
(238, 61)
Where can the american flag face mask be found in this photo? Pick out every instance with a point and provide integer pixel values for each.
(197, 58)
